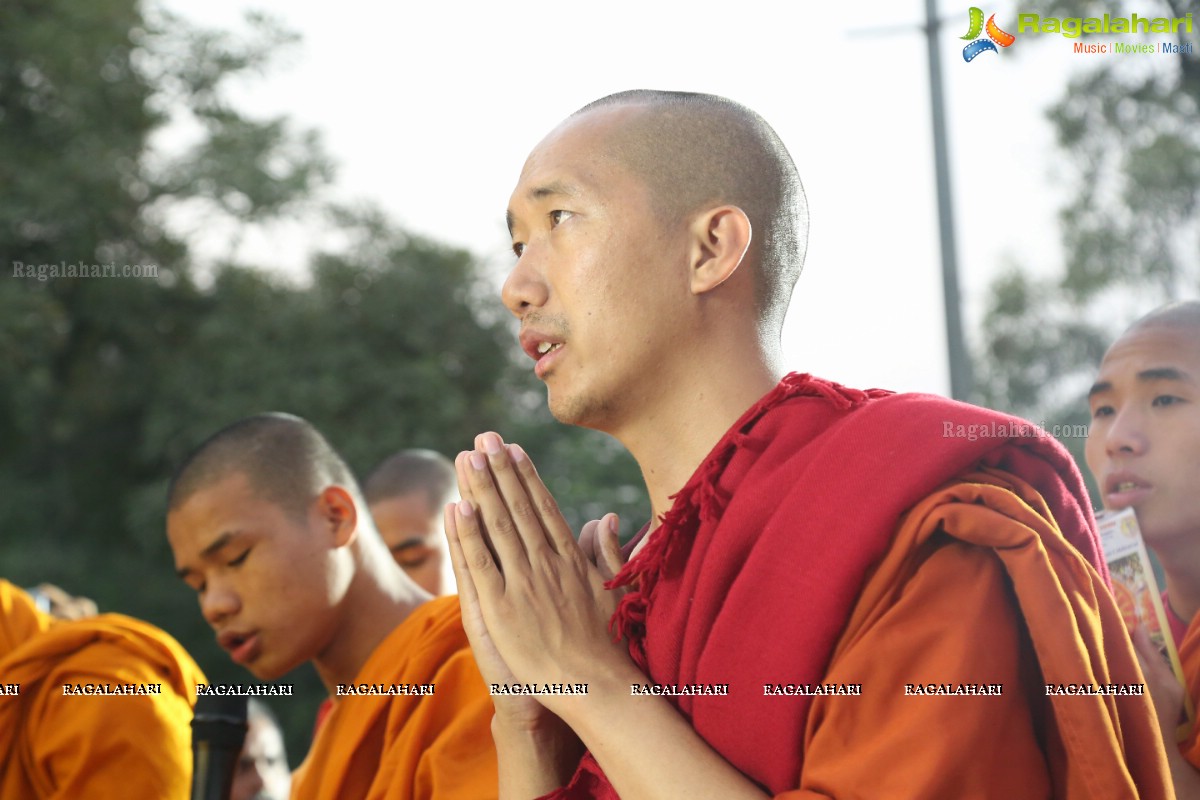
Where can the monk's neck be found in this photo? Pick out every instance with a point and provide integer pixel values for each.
(380, 598)
(670, 440)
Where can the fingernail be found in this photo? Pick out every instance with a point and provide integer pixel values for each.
(492, 444)
(613, 524)
(477, 460)
(516, 453)
(465, 509)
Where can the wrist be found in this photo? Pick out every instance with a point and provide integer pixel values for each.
(518, 727)
(608, 693)
(537, 758)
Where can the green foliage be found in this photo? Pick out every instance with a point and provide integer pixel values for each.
(105, 384)
(1129, 133)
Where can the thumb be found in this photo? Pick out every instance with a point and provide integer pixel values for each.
(1149, 656)
(610, 558)
(587, 539)
(1166, 693)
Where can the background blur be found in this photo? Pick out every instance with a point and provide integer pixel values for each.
(322, 191)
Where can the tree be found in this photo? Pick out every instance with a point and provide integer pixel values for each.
(82, 89)
(1129, 132)
(105, 384)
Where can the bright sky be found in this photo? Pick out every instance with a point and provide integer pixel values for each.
(431, 108)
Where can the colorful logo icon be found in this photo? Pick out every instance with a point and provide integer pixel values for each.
(995, 36)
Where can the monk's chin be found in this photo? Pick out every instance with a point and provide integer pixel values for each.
(585, 412)
(265, 670)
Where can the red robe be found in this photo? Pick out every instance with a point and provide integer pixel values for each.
(783, 556)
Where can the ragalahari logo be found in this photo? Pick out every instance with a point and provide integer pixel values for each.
(995, 36)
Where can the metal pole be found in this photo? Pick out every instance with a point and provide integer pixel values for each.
(960, 364)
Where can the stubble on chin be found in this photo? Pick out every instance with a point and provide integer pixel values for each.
(582, 410)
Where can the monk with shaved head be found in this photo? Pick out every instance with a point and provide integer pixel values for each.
(839, 593)
(270, 529)
(1144, 451)
(406, 493)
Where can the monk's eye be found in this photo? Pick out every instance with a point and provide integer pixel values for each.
(518, 248)
(411, 556)
(1166, 400)
(238, 561)
(559, 216)
(1102, 411)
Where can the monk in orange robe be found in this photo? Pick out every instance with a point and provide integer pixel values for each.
(841, 593)
(405, 494)
(97, 708)
(269, 527)
(1144, 452)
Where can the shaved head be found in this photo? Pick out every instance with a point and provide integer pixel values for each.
(406, 494)
(259, 710)
(1184, 314)
(408, 471)
(697, 151)
(284, 457)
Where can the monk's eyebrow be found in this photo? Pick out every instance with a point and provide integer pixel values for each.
(214, 546)
(1146, 376)
(552, 189)
(1163, 374)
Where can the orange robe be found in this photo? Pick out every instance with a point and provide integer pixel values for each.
(96, 747)
(983, 552)
(406, 746)
(1189, 657)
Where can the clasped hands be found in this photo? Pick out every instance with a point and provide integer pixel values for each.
(533, 600)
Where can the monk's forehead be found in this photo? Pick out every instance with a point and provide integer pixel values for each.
(418, 502)
(229, 487)
(583, 144)
(1151, 346)
(213, 506)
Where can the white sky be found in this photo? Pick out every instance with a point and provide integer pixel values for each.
(429, 109)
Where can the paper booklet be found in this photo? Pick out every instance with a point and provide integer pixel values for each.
(1138, 594)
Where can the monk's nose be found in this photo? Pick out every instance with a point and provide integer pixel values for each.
(525, 288)
(1126, 434)
(217, 603)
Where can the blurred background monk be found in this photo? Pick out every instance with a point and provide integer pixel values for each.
(1144, 452)
(406, 493)
(262, 769)
(87, 741)
(270, 529)
(803, 534)
(60, 604)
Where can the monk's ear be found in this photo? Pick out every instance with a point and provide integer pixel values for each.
(338, 515)
(719, 240)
